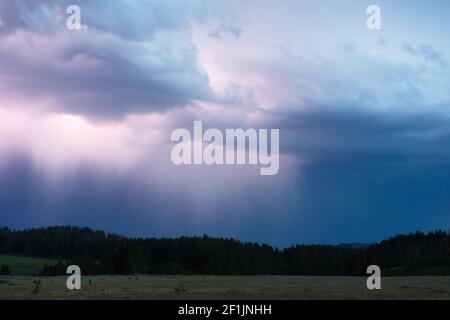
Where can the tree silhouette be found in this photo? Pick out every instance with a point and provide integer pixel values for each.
(99, 253)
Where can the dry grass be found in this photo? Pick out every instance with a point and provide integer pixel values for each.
(224, 288)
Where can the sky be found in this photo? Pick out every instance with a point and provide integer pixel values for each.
(364, 117)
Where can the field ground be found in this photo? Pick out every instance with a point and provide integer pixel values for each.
(224, 288)
(25, 265)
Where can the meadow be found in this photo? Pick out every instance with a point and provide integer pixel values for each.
(25, 265)
(20, 285)
(224, 288)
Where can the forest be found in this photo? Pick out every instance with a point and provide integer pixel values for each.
(99, 253)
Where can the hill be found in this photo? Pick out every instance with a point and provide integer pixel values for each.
(20, 265)
(97, 252)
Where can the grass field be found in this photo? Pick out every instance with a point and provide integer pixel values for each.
(25, 265)
(224, 288)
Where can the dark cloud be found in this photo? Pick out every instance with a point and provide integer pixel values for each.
(351, 132)
(364, 177)
(134, 57)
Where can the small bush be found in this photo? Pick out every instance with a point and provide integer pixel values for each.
(5, 270)
(55, 270)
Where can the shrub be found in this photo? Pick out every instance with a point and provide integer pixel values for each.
(5, 270)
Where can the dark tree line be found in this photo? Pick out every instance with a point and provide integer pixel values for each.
(97, 252)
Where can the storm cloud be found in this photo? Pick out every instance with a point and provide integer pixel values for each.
(130, 57)
(86, 117)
